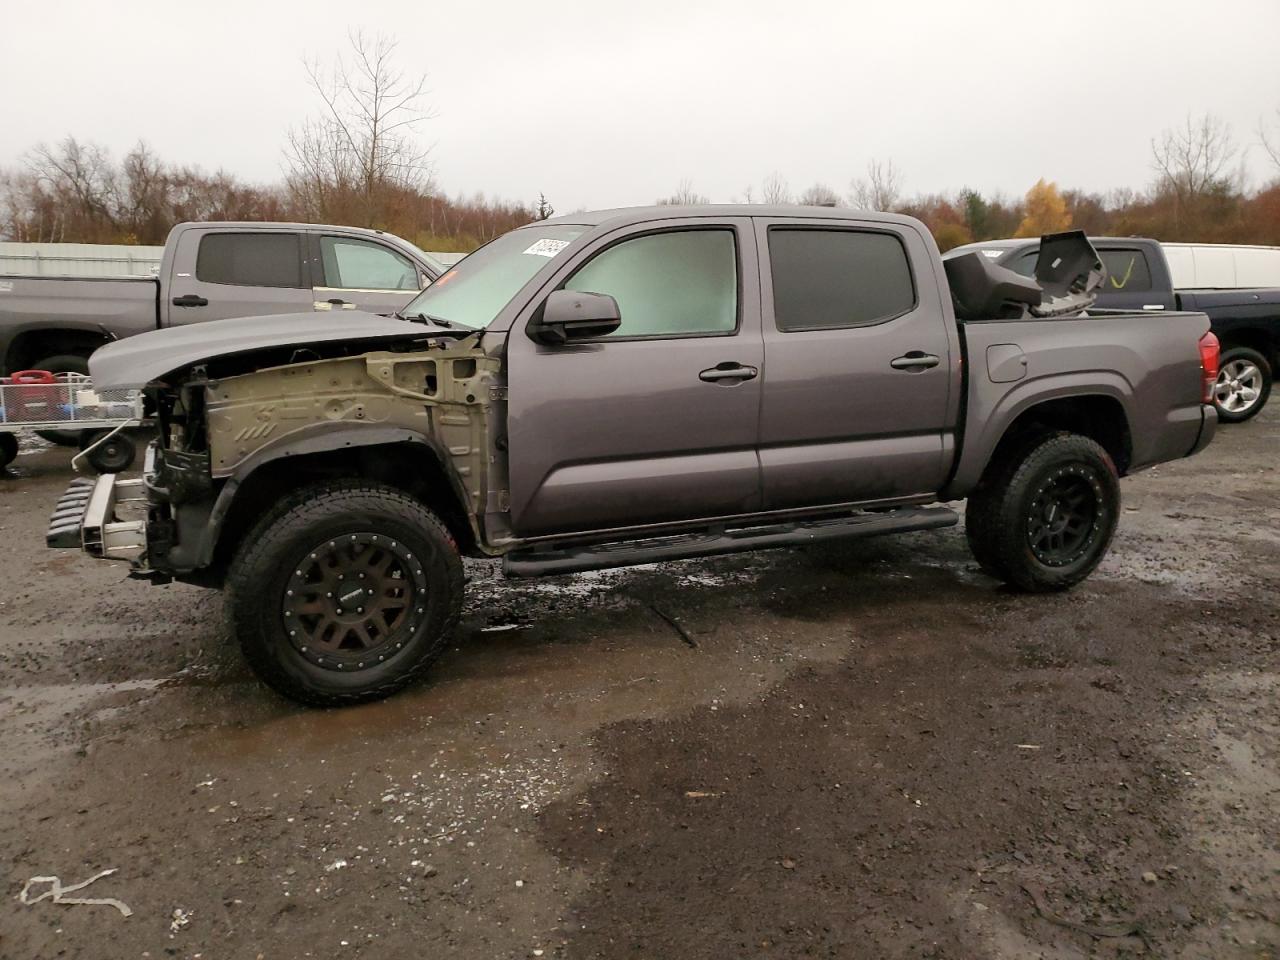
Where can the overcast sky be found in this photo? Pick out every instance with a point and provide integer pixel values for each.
(599, 103)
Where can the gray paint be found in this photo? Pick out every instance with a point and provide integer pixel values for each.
(139, 360)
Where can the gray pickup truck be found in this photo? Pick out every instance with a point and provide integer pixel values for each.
(626, 387)
(210, 271)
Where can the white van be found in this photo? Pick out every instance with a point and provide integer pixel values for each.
(1222, 266)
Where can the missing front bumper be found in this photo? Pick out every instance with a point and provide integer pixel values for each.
(85, 517)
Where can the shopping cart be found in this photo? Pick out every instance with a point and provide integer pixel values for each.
(39, 400)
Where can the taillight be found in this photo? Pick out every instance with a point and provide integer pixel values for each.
(1209, 349)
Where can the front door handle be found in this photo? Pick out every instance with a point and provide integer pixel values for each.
(915, 360)
(190, 300)
(728, 371)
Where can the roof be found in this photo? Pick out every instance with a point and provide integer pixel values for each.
(621, 216)
(284, 225)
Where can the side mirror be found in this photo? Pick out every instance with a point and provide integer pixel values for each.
(570, 315)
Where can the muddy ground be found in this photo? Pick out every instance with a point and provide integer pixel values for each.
(873, 750)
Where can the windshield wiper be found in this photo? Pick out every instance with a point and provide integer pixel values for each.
(428, 318)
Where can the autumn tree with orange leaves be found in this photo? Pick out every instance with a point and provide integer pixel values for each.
(1044, 211)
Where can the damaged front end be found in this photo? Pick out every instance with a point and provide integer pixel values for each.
(225, 423)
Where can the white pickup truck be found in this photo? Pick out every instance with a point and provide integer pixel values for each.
(210, 271)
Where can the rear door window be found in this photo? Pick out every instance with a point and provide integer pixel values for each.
(353, 264)
(829, 279)
(250, 259)
(1127, 270)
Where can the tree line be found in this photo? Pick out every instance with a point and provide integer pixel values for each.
(1197, 193)
(359, 161)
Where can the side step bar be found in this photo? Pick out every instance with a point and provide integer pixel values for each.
(549, 562)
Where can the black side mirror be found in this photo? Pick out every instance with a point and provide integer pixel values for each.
(573, 315)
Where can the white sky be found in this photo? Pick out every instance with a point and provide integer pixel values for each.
(601, 103)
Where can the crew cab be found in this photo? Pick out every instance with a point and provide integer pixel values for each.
(632, 386)
(1143, 274)
(209, 271)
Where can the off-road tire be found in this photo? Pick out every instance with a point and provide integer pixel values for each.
(62, 363)
(277, 549)
(999, 517)
(1243, 355)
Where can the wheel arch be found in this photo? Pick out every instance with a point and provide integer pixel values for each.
(33, 344)
(398, 458)
(1100, 416)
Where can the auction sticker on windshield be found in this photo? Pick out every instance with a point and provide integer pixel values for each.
(547, 247)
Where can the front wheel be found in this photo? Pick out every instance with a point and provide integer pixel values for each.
(1045, 516)
(1243, 384)
(345, 593)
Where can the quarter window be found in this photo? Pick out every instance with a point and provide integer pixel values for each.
(361, 265)
(673, 284)
(828, 279)
(250, 259)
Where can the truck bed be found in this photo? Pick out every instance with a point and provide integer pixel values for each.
(1013, 364)
(123, 305)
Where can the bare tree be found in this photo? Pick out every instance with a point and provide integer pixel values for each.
(820, 195)
(1271, 139)
(1193, 160)
(775, 189)
(881, 189)
(362, 147)
(685, 196)
(82, 177)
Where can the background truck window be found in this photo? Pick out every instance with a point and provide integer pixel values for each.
(1127, 270)
(827, 279)
(250, 259)
(668, 284)
(361, 265)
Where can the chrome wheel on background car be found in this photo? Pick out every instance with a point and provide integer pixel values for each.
(1239, 386)
(1243, 384)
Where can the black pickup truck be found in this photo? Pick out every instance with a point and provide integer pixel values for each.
(1246, 321)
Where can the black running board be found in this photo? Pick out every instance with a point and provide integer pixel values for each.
(551, 561)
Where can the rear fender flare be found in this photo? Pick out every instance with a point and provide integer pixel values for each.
(978, 446)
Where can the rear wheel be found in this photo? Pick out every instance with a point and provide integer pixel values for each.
(63, 363)
(1045, 517)
(345, 593)
(1243, 384)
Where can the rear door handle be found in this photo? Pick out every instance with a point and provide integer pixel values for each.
(728, 371)
(915, 360)
(190, 300)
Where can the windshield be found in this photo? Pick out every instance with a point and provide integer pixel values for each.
(472, 293)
